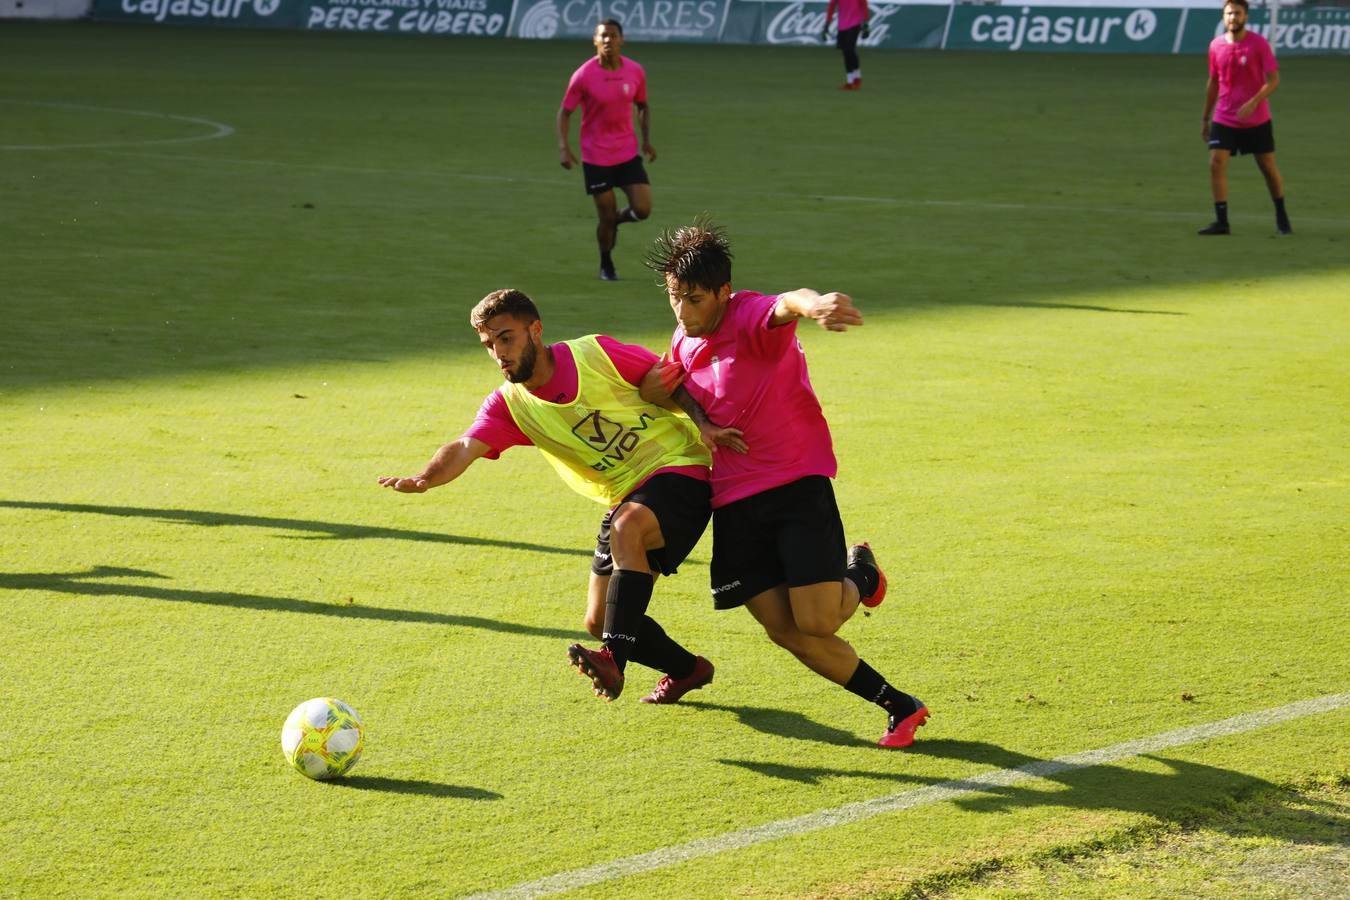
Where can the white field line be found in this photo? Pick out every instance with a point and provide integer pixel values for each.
(217, 129)
(383, 172)
(936, 793)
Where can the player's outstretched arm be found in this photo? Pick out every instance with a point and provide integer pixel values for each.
(563, 126)
(832, 311)
(448, 464)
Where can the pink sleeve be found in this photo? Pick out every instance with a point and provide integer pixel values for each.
(632, 360)
(495, 427)
(765, 339)
(1213, 64)
(1269, 63)
(641, 95)
(575, 88)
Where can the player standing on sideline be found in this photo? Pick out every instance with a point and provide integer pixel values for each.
(853, 15)
(578, 402)
(778, 541)
(606, 88)
(1242, 74)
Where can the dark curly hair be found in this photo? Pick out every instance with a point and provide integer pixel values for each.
(696, 255)
(507, 302)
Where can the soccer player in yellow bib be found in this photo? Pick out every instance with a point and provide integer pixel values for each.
(580, 403)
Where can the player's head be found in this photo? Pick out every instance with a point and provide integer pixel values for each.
(608, 39)
(695, 262)
(509, 328)
(1235, 15)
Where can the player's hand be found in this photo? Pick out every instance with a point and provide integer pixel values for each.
(1245, 110)
(566, 159)
(649, 151)
(836, 312)
(411, 485)
(867, 30)
(714, 436)
(1204, 132)
(825, 35)
(661, 381)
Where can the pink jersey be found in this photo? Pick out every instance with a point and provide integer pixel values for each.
(752, 376)
(852, 13)
(495, 426)
(606, 98)
(1240, 68)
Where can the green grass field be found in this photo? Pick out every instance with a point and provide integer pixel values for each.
(1103, 460)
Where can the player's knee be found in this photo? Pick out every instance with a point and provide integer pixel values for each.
(817, 625)
(641, 210)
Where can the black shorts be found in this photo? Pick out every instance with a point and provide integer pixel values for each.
(1237, 141)
(786, 535)
(682, 506)
(606, 178)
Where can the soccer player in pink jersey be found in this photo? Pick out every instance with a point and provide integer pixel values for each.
(778, 541)
(579, 402)
(1242, 74)
(853, 15)
(607, 88)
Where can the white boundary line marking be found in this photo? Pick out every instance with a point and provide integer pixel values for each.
(936, 793)
(218, 129)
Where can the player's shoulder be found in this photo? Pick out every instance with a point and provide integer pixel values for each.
(629, 62)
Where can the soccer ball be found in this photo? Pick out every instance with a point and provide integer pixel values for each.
(323, 738)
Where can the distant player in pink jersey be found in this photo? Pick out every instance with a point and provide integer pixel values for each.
(778, 541)
(579, 403)
(853, 15)
(607, 88)
(1242, 74)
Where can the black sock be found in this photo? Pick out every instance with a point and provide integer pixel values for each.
(605, 262)
(625, 606)
(865, 577)
(1221, 212)
(868, 684)
(1281, 217)
(657, 650)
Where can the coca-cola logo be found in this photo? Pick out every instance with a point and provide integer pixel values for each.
(794, 24)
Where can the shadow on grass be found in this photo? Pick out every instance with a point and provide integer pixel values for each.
(1187, 793)
(83, 584)
(316, 530)
(783, 723)
(413, 786)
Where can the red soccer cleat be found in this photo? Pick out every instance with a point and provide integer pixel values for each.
(862, 553)
(670, 690)
(600, 668)
(901, 734)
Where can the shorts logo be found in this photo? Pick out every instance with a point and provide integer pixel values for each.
(722, 589)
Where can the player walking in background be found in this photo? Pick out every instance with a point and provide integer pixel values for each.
(578, 401)
(607, 88)
(1242, 74)
(778, 541)
(853, 15)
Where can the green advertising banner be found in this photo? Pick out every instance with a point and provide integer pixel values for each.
(902, 26)
(1064, 29)
(470, 18)
(235, 13)
(1298, 32)
(644, 21)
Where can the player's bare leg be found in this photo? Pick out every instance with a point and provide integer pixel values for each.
(1275, 184)
(639, 206)
(1218, 185)
(606, 230)
(835, 659)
